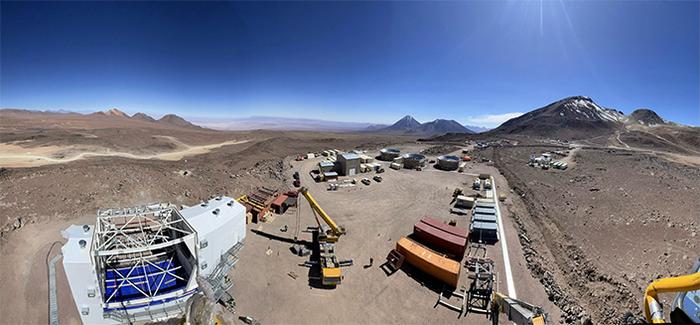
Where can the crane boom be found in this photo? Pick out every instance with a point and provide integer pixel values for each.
(336, 231)
(325, 240)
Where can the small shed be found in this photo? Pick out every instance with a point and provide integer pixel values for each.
(329, 176)
(465, 201)
(326, 166)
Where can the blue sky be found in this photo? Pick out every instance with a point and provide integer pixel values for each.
(473, 61)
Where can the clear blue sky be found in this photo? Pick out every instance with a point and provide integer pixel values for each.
(472, 61)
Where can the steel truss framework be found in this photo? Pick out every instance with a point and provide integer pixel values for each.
(136, 252)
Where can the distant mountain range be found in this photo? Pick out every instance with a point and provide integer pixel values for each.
(284, 123)
(576, 117)
(410, 126)
(477, 129)
(102, 117)
(406, 125)
(168, 119)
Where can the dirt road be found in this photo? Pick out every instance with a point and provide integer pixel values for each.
(13, 155)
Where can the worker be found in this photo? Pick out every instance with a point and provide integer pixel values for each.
(371, 261)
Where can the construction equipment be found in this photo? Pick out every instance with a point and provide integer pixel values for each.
(326, 236)
(481, 290)
(686, 304)
(518, 311)
(258, 202)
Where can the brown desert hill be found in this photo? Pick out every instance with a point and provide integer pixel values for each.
(23, 120)
(571, 118)
(67, 134)
(646, 116)
(172, 119)
(645, 129)
(662, 137)
(143, 117)
(116, 112)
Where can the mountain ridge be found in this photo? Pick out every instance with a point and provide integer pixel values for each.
(143, 117)
(574, 117)
(410, 126)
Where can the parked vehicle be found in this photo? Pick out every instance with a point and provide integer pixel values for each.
(365, 181)
(377, 178)
(477, 184)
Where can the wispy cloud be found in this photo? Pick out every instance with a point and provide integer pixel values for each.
(491, 120)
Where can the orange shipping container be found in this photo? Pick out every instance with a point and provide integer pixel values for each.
(430, 262)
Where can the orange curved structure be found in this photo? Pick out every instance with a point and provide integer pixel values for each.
(430, 262)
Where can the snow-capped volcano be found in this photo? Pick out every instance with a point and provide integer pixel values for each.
(572, 117)
(581, 107)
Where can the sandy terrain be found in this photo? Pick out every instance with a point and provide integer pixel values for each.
(13, 155)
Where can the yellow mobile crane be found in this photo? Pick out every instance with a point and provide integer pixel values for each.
(328, 235)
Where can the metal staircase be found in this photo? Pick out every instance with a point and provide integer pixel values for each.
(217, 282)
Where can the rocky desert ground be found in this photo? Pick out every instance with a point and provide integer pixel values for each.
(585, 241)
(39, 199)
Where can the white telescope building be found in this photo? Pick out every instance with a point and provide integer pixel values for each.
(142, 263)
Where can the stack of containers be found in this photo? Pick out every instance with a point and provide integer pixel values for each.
(484, 221)
(444, 238)
(437, 249)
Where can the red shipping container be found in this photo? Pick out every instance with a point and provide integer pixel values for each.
(457, 231)
(440, 240)
(278, 204)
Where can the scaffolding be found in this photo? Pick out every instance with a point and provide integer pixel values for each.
(481, 288)
(144, 263)
(142, 257)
